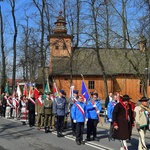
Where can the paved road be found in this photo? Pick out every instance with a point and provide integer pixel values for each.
(15, 136)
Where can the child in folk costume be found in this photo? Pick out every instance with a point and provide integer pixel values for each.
(15, 104)
(142, 113)
(78, 113)
(23, 109)
(8, 107)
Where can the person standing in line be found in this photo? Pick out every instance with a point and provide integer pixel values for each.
(60, 111)
(108, 99)
(110, 109)
(38, 111)
(4, 102)
(123, 121)
(93, 109)
(72, 102)
(8, 107)
(47, 110)
(78, 113)
(23, 109)
(142, 113)
(31, 110)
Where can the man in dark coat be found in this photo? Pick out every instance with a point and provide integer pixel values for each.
(123, 121)
(31, 109)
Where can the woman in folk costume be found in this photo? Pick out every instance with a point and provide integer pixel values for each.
(142, 113)
(23, 110)
(123, 121)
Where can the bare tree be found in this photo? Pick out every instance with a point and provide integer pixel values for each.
(12, 4)
(3, 79)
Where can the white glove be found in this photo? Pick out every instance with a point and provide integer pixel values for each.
(97, 112)
(110, 120)
(74, 121)
(86, 119)
(94, 105)
(35, 113)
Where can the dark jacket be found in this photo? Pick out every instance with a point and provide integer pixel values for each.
(123, 121)
(30, 105)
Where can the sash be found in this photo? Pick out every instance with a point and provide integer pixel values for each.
(39, 100)
(81, 109)
(8, 102)
(74, 100)
(5, 97)
(31, 100)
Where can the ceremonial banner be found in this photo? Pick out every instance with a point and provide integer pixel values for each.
(25, 91)
(36, 93)
(47, 88)
(7, 88)
(55, 91)
(84, 92)
(18, 91)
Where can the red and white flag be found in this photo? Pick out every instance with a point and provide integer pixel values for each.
(39, 100)
(25, 91)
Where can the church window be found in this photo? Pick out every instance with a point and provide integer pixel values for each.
(91, 84)
(56, 47)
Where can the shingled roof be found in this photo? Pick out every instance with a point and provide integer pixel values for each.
(115, 61)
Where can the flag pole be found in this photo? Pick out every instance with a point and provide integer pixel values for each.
(82, 77)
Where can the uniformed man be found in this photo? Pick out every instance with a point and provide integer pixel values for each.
(52, 123)
(67, 111)
(47, 112)
(38, 111)
(60, 111)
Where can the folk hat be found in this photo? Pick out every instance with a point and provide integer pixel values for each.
(126, 97)
(144, 99)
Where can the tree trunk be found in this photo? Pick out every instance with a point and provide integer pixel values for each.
(4, 78)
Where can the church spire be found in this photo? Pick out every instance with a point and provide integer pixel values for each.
(60, 25)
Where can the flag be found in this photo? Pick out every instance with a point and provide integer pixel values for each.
(39, 100)
(84, 91)
(25, 91)
(18, 91)
(13, 94)
(36, 93)
(7, 88)
(55, 91)
(71, 91)
(47, 88)
(30, 90)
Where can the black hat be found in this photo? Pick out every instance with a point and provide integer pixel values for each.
(126, 97)
(62, 91)
(144, 99)
(75, 91)
(91, 93)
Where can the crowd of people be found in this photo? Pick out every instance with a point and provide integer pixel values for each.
(48, 112)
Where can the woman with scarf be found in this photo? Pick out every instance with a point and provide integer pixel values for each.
(123, 121)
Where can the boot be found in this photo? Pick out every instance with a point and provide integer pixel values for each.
(49, 130)
(46, 130)
(58, 134)
(78, 143)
